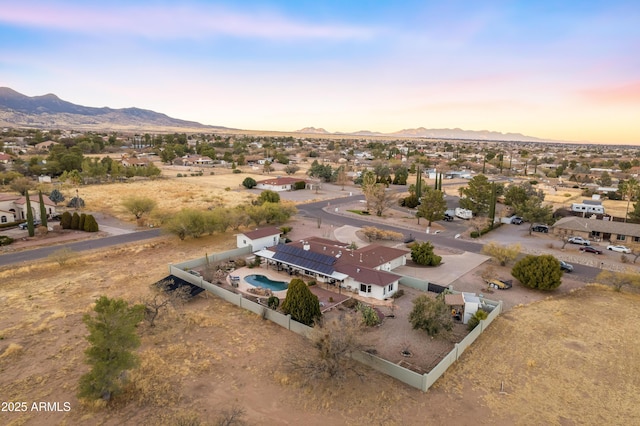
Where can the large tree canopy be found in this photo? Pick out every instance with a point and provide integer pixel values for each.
(300, 303)
(476, 195)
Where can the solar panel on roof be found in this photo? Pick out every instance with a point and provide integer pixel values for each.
(305, 259)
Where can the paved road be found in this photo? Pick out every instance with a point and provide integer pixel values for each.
(315, 210)
(39, 253)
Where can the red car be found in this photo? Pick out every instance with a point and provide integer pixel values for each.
(589, 249)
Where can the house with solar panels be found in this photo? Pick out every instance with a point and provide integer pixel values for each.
(366, 271)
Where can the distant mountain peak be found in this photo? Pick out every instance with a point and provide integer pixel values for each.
(49, 111)
(319, 130)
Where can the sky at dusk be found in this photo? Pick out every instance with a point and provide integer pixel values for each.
(564, 70)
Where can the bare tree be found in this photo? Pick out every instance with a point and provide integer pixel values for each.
(163, 298)
(334, 341)
(231, 417)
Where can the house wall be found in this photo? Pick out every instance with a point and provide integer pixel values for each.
(258, 244)
(277, 188)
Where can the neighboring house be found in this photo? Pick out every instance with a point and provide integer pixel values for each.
(135, 162)
(5, 158)
(14, 207)
(45, 146)
(196, 160)
(365, 271)
(259, 239)
(280, 184)
(599, 230)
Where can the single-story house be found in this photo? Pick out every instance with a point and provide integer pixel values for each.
(598, 230)
(259, 239)
(45, 146)
(5, 158)
(365, 271)
(135, 162)
(194, 160)
(14, 207)
(280, 184)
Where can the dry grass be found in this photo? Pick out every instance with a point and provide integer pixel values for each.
(13, 350)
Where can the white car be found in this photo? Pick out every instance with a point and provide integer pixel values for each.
(621, 249)
(579, 240)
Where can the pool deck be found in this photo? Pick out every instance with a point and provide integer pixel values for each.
(328, 297)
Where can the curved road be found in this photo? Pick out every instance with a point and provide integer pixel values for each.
(315, 210)
(311, 210)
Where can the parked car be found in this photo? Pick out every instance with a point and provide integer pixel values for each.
(500, 284)
(448, 217)
(567, 267)
(540, 228)
(579, 240)
(24, 225)
(620, 249)
(589, 249)
(517, 220)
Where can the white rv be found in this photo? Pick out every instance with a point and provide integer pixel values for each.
(587, 208)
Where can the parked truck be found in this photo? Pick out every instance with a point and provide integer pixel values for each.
(463, 213)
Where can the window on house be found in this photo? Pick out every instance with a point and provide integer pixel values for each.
(390, 287)
(595, 233)
(364, 288)
(244, 241)
(621, 237)
(4, 219)
(636, 239)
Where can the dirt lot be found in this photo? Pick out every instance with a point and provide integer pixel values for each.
(565, 359)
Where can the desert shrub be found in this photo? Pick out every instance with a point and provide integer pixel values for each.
(624, 258)
(273, 302)
(502, 254)
(474, 234)
(312, 283)
(422, 254)
(330, 299)
(5, 241)
(538, 272)
(373, 233)
(62, 256)
(299, 185)
(237, 171)
(240, 263)
(431, 315)
(75, 221)
(398, 294)
(179, 175)
(83, 218)
(476, 318)
(350, 303)
(90, 224)
(65, 220)
(227, 189)
(370, 317)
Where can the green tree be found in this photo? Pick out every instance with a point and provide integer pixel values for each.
(65, 220)
(431, 315)
(112, 338)
(301, 304)
(518, 193)
(21, 185)
(534, 212)
(90, 224)
(187, 223)
(400, 175)
(370, 317)
(30, 226)
(422, 254)
(249, 182)
(83, 218)
(56, 196)
(476, 318)
(139, 206)
(268, 196)
(433, 206)
(476, 195)
(538, 272)
(291, 169)
(75, 221)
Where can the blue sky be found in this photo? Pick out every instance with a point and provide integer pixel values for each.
(559, 70)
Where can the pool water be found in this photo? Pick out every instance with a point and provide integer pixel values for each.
(264, 282)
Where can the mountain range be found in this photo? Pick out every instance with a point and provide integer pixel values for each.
(51, 112)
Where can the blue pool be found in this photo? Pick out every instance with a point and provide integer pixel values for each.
(264, 282)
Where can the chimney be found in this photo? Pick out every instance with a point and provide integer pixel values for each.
(306, 247)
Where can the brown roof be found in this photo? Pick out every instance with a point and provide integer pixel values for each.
(322, 245)
(372, 256)
(261, 233)
(368, 276)
(573, 223)
(454, 299)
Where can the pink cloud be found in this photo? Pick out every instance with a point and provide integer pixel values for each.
(174, 22)
(624, 94)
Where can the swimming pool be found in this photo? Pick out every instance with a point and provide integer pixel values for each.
(264, 282)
